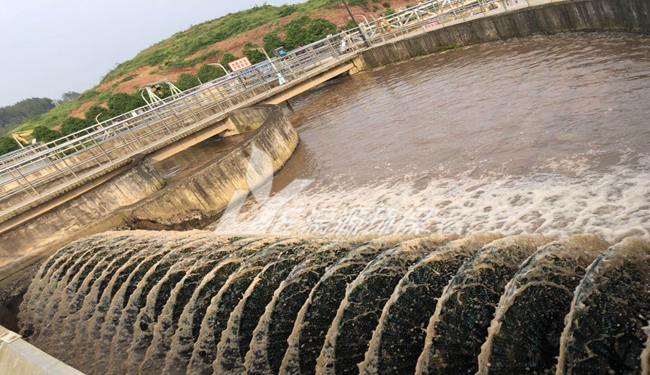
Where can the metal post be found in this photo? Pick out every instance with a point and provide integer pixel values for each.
(102, 149)
(21, 184)
(363, 36)
(329, 43)
(419, 20)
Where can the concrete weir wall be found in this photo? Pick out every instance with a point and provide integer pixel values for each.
(204, 194)
(578, 15)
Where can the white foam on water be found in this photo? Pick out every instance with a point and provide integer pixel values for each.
(613, 203)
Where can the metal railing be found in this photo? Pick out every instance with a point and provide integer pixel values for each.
(41, 169)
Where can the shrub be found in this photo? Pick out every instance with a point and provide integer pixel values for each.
(319, 28)
(73, 124)
(122, 103)
(296, 33)
(254, 56)
(7, 145)
(287, 10)
(45, 135)
(350, 24)
(95, 111)
(186, 81)
(303, 31)
(271, 41)
(228, 57)
(209, 72)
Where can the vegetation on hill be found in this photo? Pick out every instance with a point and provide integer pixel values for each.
(186, 55)
(184, 48)
(15, 115)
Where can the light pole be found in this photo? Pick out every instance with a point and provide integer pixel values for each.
(221, 66)
(363, 36)
(281, 79)
(364, 18)
(268, 58)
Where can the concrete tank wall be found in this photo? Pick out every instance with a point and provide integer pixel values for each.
(204, 194)
(80, 207)
(586, 15)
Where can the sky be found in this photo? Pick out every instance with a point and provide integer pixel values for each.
(48, 47)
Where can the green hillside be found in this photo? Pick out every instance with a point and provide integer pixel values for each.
(184, 56)
(177, 50)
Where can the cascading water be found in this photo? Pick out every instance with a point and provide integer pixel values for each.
(173, 303)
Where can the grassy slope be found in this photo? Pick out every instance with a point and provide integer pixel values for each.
(186, 51)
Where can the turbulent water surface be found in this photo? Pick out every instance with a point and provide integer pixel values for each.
(543, 134)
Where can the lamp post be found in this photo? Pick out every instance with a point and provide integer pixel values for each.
(363, 36)
(267, 58)
(364, 18)
(222, 67)
(281, 79)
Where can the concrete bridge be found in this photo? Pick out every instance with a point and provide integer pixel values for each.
(94, 180)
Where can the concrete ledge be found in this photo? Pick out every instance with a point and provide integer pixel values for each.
(17, 357)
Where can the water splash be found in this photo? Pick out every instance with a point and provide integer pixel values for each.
(525, 332)
(460, 322)
(176, 303)
(609, 310)
(401, 332)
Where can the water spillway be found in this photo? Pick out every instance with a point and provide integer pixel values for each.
(147, 302)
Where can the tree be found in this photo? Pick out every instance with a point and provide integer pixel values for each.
(15, 115)
(271, 41)
(228, 57)
(254, 56)
(95, 111)
(122, 103)
(70, 95)
(45, 135)
(73, 124)
(209, 72)
(187, 81)
(320, 28)
(7, 145)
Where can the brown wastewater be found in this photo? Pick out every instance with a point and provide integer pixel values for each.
(545, 134)
(482, 210)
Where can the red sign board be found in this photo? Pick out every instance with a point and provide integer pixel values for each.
(240, 64)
